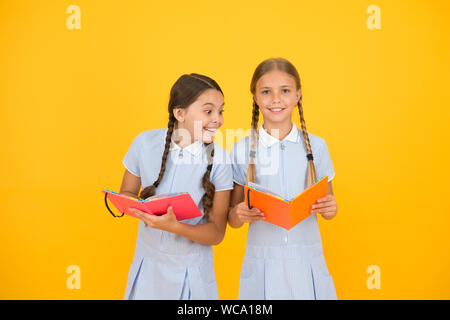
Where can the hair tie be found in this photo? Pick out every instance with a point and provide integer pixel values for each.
(309, 156)
(209, 167)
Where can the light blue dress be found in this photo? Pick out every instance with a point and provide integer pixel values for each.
(281, 264)
(166, 265)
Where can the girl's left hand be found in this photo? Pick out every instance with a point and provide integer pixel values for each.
(166, 222)
(326, 206)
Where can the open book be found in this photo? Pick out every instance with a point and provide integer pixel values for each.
(285, 213)
(183, 205)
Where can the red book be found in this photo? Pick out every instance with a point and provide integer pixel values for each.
(183, 205)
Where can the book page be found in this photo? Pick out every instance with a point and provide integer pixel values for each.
(262, 189)
(162, 195)
(304, 191)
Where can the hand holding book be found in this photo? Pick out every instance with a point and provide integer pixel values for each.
(167, 222)
(243, 214)
(326, 206)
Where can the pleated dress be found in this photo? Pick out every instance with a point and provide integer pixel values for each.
(282, 264)
(167, 265)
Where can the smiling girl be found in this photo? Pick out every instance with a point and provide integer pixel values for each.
(173, 259)
(281, 264)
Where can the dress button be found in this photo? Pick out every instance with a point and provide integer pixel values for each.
(285, 239)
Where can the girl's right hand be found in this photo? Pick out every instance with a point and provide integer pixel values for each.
(243, 214)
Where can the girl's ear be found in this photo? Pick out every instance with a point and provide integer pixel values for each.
(299, 94)
(179, 114)
(254, 100)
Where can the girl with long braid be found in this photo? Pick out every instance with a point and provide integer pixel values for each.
(173, 259)
(281, 264)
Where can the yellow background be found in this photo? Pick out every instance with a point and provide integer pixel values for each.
(72, 101)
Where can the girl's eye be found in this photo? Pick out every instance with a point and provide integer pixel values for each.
(285, 90)
(265, 91)
(208, 111)
(221, 112)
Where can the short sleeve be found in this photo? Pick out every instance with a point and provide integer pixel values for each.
(324, 166)
(131, 159)
(222, 176)
(238, 164)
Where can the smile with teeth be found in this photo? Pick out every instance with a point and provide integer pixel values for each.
(276, 109)
(211, 129)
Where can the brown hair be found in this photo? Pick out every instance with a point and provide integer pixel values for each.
(183, 93)
(263, 68)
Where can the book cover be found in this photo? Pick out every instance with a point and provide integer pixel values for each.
(285, 213)
(183, 205)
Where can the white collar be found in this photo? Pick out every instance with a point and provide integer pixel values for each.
(194, 148)
(269, 140)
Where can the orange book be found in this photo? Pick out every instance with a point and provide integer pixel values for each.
(285, 213)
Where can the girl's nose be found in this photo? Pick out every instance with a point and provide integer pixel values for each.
(215, 117)
(276, 97)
